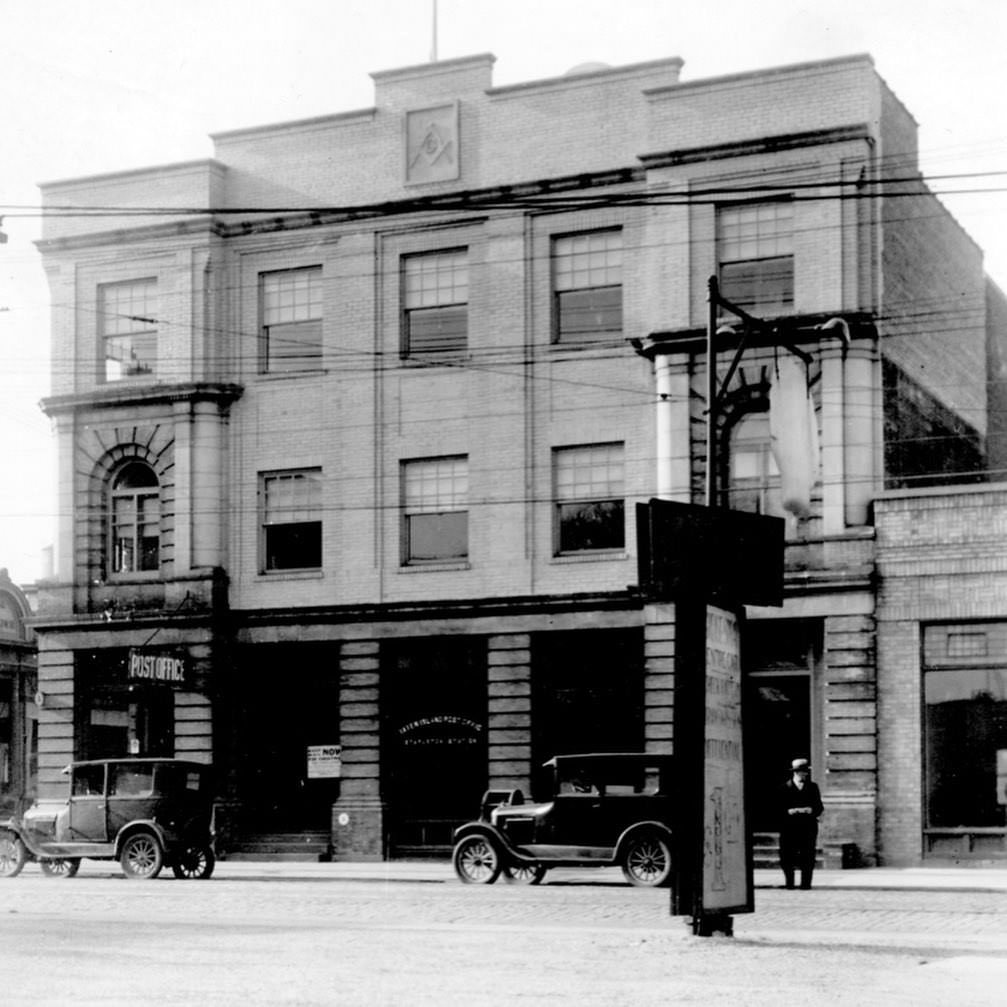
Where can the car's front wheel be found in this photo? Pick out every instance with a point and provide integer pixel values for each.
(141, 857)
(194, 862)
(647, 861)
(12, 855)
(476, 861)
(518, 873)
(62, 867)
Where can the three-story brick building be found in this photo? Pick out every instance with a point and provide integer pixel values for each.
(352, 418)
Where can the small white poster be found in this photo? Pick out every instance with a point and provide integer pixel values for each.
(325, 762)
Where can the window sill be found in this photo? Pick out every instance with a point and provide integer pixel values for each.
(313, 372)
(463, 564)
(291, 574)
(592, 556)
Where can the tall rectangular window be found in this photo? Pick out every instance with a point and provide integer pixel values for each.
(435, 509)
(965, 730)
(589, 494)
(291, 338)
(587, 286)
(291, 511)
(127, 320)
(755, 252)
(435, 296)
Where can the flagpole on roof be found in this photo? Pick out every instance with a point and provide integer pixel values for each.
(433, 43)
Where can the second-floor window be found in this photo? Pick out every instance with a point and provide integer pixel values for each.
(435, 513)
(589, 492)
(754, 479)
(587, 286)
(291, 338)
(291, 515)
(127, 319)
(135, 533)
(755, 254)
(435, 302)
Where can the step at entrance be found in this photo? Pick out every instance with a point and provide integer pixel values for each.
(306, 847)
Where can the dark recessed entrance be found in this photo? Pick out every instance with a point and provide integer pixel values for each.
(433, 751)
(287, 707)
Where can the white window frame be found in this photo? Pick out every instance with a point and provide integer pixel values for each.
(588, 476)
(587, 284)
(435, 499)
(133, 510)
(291, 313)
(128, 328)
(435, 299)
(289, 499)
(757, 238)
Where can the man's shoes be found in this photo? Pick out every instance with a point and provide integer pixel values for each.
(806, 887)
(790, 885)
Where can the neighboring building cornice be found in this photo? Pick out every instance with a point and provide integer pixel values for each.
(116, 396)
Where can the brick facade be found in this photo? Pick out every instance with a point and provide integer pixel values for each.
(632, 150)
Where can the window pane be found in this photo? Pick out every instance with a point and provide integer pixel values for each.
(587, 260)
(767, 284)
(294, 347)
(966, 747)
(437, 536)
(437, 330)
(130, 357)
(437, 484)
(594, 471)
(435, 279)
(292, 295)
(592, 312)
(295, 546)
(595, 525)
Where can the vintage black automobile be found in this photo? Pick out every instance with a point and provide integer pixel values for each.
(606, 809)
(145, 813)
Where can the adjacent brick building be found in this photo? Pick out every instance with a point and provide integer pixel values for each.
(352, 418)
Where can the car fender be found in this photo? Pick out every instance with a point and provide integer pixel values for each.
(140, 825)
(17, 828)
(636, 829)
(490, 832)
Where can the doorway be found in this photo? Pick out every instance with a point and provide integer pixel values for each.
(288, 702)
(779, 658)
(434, 751)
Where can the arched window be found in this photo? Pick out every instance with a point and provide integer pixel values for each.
(754, 479)
(134, 543)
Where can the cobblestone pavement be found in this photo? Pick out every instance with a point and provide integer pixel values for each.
(274, 934)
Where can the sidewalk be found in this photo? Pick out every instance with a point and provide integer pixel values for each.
(964, 879)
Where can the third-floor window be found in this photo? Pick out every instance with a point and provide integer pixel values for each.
(755, 255)
(127, 320)
(435, 302)
(587, 286)
(291, 309)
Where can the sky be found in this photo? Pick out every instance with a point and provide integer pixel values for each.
(89, 86)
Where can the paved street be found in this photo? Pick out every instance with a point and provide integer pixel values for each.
(410, 934)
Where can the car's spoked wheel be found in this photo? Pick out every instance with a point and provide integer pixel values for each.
(141, 857)
(194, 862)
(524, 873)
(60, 868)
(12, 855)
(476, 861)
(647, 863)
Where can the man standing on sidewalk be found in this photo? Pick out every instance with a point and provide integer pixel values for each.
(800, 808)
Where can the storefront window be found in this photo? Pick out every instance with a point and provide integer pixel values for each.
(965, 694)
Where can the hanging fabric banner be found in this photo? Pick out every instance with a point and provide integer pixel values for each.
(793, 428)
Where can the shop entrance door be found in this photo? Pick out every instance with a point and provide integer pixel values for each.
(289, 703)
(777, 719)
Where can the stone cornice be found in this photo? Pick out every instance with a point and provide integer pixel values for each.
(117, 396)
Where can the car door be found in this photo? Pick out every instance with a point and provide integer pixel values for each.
(88, 804)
